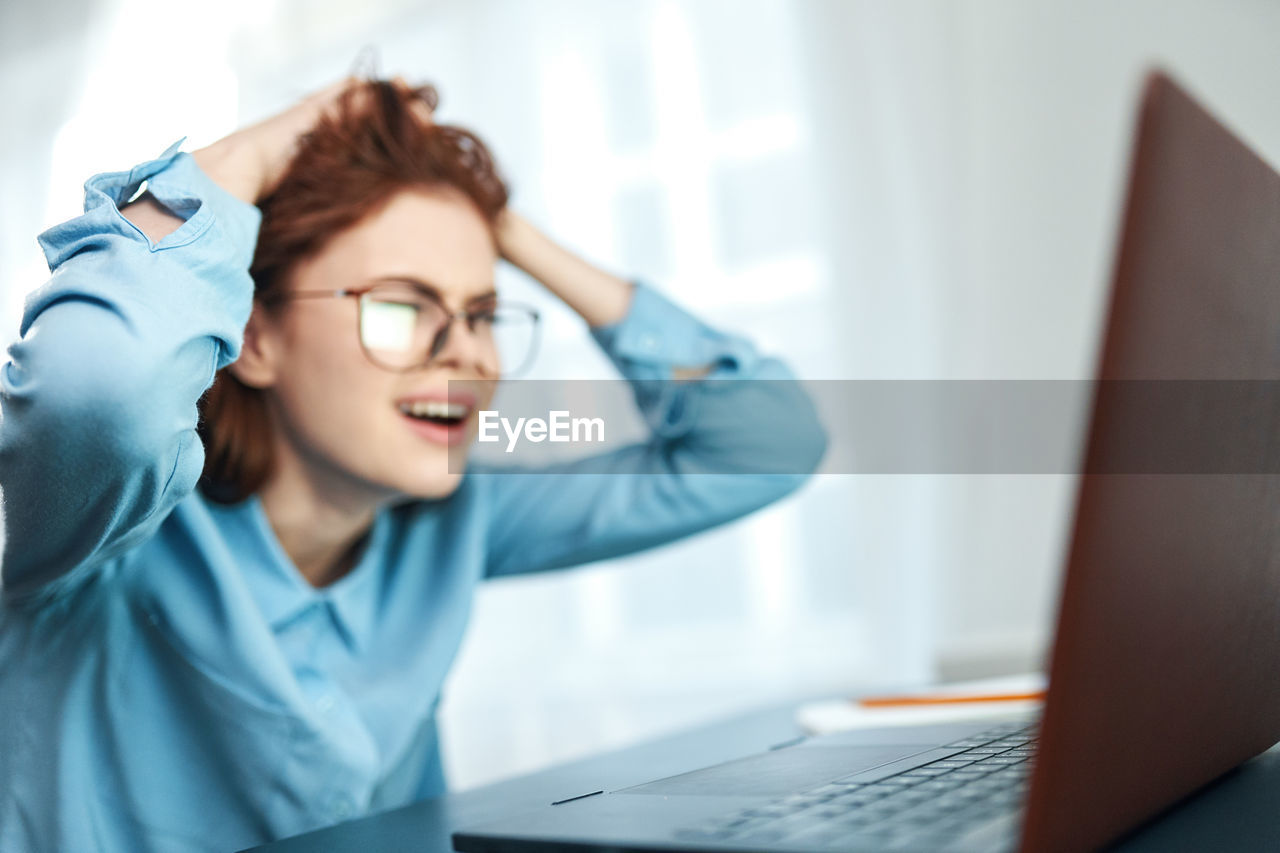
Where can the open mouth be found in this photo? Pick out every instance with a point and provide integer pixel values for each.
(441, 412)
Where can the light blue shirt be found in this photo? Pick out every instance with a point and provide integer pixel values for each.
(168, 680)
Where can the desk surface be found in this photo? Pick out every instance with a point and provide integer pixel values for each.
(1239, 812)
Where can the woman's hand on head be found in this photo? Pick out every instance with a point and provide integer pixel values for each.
(250, 162)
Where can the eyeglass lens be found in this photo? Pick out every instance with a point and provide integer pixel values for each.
(402, 327)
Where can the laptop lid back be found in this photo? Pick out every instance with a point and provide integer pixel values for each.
(1165, 671)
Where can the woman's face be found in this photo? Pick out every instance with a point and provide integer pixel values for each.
(347, 423)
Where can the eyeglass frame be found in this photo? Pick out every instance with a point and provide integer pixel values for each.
(427, 290)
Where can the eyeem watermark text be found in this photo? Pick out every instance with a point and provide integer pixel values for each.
(557, 427)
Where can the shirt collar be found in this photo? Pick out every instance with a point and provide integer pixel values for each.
(283, 594)
(354, 598)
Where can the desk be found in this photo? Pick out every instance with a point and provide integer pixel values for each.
(1239, 812)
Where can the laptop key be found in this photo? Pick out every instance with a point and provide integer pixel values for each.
(922, 772)
(891, 783)
(893, 768)
(953, 763)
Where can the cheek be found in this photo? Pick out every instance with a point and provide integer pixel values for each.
(331, 389)
(493, 359)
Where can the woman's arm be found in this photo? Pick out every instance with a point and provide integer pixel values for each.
(741, 437)
(600, 298)
(98, 399)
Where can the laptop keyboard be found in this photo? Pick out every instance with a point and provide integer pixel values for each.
(927, 805)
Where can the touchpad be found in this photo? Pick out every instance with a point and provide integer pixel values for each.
(775, 773)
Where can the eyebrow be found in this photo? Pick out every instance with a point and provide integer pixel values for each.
(435, 290)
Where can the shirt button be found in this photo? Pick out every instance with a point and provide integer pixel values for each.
(341, 807)
(648, 342)
(325, 704)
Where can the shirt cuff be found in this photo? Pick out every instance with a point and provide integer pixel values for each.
(657, 336)
(179, 184)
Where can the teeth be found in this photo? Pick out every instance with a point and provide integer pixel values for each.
(434, 409)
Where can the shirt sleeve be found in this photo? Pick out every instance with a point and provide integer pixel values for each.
(717, 450)
(98, 397)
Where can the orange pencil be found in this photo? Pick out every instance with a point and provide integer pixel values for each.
(901, 701)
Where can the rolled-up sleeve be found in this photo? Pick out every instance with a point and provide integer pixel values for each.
(720, 446)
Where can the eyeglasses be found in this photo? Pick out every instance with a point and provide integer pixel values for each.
(404, 325)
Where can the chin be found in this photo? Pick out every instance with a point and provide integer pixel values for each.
(435, 487)
(427, 472)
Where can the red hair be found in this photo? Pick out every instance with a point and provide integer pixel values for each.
(376, 144)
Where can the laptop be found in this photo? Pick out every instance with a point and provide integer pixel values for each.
(1163, 673)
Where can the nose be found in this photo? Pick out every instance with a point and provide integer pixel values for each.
(462, 348)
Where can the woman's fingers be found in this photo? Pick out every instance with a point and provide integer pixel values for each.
(260, 153)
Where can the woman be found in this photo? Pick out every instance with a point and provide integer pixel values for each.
(229, 623)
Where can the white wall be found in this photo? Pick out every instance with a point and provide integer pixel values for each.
(1050, 92)
(918, 189)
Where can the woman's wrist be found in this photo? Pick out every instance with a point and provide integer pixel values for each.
(234, 165)
(227, 163)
